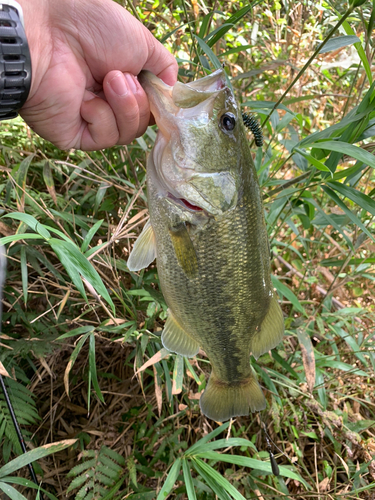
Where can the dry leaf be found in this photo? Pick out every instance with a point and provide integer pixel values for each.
(163, 353)
(344, 464)
(324, 485)
(308, 357)
(66, 376)
(43, 362)
(3, 371)
(115, 321)
(138, 216)
(158, 391)
(194, 395)
(5, 230)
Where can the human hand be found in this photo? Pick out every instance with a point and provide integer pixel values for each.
(85, 56)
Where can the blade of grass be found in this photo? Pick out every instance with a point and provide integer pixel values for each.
(171, 479)
(188, 480)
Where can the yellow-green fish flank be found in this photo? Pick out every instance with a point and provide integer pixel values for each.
(208, 234)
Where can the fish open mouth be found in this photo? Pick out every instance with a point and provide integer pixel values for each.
(185, 203)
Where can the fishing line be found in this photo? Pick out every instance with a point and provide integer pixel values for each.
(2, 383)
(274, 465)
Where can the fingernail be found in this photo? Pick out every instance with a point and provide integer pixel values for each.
(131, 82)
(88, 96)
(118, 85)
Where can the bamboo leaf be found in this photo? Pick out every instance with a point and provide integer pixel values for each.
(77, 331)
(251, 463)
(171, 479)
(72, 360)
(21, 178)
(364, 201)
(28, 484)
(33, 455)
(348, 212)
(49, 182)
(18, 237)
(219, 479)
(200, 445)
(12, 493)
(219, 491)
(360, 50)
(178, 372)
(338, 42)
(318, 164)
(171, 33)
(100, 195)
(226, 443)
(74, 263)
(347, 149)
(89, 236)
(287, 292)
(92, 368)
(24, 273)
(188, 480)
(237, 16)
(209, 53)
(31, 222)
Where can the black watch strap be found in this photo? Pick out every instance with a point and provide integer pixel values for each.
(15, 60)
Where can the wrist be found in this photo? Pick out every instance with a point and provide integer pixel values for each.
(35, 14)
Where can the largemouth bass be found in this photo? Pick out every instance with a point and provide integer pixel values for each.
(208, 234)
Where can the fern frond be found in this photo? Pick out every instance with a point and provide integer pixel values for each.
(97, 474)
(24, 406)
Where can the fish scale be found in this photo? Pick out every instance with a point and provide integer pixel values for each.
(213, 261)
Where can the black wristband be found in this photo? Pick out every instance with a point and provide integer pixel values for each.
(15, 61)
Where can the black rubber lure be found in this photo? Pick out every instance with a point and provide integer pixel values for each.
(252, 124)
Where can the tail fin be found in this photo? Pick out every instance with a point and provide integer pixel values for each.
(222, 400)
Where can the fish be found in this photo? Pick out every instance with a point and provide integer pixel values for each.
(208, 234)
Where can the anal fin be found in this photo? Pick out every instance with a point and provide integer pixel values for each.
(144, 249)
(271, 330)
(175, 339)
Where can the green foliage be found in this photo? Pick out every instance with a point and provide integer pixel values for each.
(98, 476)
(14, 465)
(26, 413)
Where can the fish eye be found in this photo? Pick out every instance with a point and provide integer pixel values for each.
(228, 121)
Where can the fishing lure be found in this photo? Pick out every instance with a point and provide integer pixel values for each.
(252, 124)
(274, 465)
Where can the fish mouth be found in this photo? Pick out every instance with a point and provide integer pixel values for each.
(185, 203)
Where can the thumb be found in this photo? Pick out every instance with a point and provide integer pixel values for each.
(160, 61)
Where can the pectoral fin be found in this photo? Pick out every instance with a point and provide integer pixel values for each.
(271, 331)
(175, 339)
(144, 250)
(184, 249)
